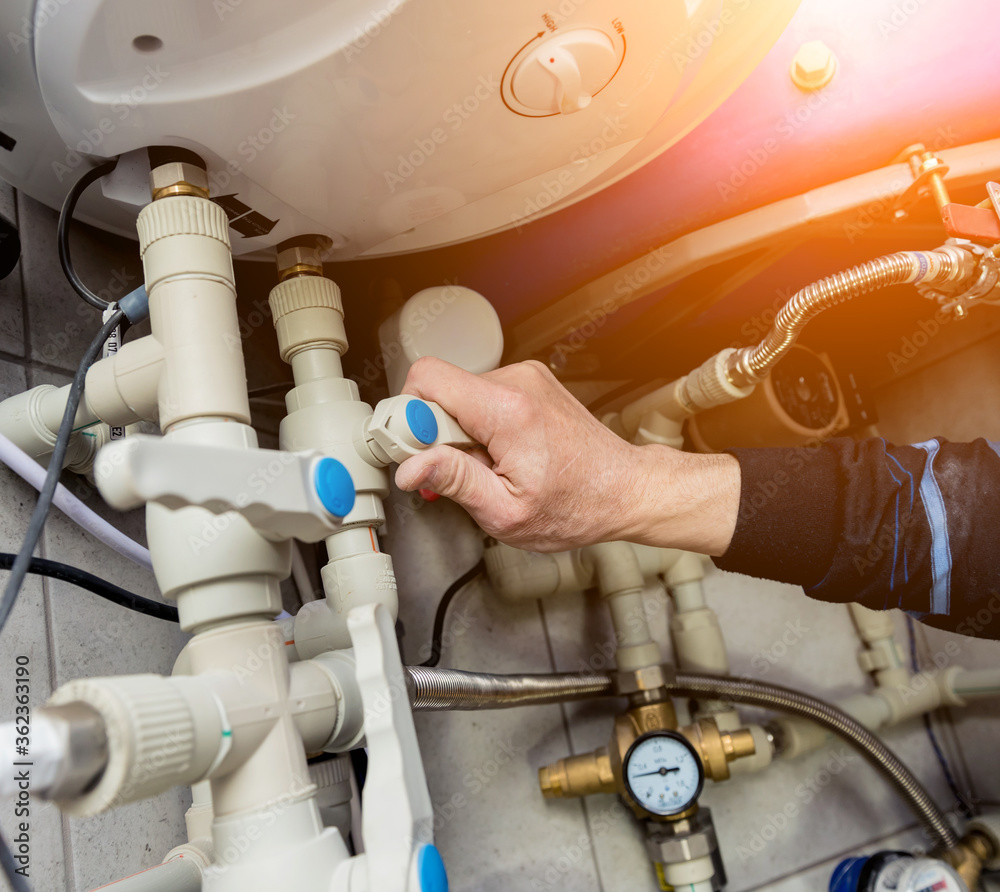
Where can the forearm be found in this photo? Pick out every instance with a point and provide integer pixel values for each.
(887, 526)
(682, 500)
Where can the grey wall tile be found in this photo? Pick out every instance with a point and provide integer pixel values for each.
(61, 324)
(26, 635)
(91, 637)
(493, 828)
(11, 300)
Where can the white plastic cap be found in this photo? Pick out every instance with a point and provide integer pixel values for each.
(450, 322)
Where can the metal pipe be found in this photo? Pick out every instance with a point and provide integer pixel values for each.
(435, 689)
(750, 365)
(755, 693)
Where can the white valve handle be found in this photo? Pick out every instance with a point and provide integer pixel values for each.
(284, 495)
(404, 426)
(397, 816)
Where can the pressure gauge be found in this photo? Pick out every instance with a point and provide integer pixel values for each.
(663, 773)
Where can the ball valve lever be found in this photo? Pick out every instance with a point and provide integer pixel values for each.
(397, 815)
(284, 495)
(403, 426)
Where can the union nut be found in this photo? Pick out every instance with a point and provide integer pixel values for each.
(642, 681)
(718, 748)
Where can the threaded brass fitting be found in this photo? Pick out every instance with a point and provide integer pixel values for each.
(178, 178)
(578, 776)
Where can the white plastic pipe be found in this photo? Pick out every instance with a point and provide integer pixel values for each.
(972, 684)
(178, 875)
(621, 583)
(27, 468)
(883, 656)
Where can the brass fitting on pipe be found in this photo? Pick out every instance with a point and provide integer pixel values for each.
(578, 776)
(718, 748)
(601, 770)
(178, 178)
(929, 170)
(975, 850)
(301, 256)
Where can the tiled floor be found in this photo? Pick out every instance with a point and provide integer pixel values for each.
(492, 825)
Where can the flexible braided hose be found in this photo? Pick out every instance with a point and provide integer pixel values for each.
(432, 689)
(751, 364)
(838, 722)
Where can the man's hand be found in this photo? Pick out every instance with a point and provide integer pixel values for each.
(552, 477)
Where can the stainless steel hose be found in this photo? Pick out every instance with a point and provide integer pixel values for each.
(751, 364)
(436, 689)
(838, 722)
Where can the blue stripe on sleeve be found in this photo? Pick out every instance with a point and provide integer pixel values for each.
(937, 518)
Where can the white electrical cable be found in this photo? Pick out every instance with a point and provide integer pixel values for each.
(27, 468)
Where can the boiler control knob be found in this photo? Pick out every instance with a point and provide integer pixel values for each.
(564, 71)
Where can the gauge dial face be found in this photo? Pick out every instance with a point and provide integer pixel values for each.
(662, 773)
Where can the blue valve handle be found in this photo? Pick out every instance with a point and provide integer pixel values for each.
(334, 487)
(423, 424)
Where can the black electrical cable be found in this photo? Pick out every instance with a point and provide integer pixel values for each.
(442, 610)
(359, 765)
(270, 388)
(17, 882)
(62, 231)
(101, 587)
(23, 560)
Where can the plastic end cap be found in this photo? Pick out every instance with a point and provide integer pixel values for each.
(430, 867)
(423, 424)
(334, 487)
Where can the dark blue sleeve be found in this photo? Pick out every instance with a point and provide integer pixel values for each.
(915, 527)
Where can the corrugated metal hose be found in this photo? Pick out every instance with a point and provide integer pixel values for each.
(438, 689)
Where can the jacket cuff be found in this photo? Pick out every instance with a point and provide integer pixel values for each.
(788, 515)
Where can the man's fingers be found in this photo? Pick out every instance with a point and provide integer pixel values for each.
(470, 398)
(452, 473)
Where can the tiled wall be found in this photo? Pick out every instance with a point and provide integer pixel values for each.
(494, 829)
(67, 632)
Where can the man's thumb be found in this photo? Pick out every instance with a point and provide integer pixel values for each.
(449, 472)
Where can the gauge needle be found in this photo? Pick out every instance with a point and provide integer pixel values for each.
(660, 771)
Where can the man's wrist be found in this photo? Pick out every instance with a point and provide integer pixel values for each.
(682, 500)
